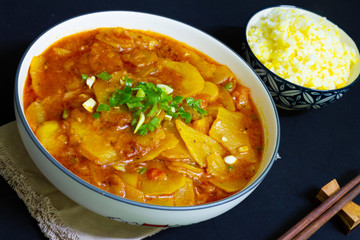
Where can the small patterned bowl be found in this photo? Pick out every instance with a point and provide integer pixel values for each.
(288, 95)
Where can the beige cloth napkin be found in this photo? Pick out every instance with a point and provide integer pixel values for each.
(58, 216)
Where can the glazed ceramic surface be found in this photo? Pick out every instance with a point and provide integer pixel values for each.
(288, 95)
(113, 206)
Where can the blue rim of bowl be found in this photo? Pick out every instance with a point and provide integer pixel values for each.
(77, 179)
(356, 80)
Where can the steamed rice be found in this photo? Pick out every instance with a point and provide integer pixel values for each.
(302, 50)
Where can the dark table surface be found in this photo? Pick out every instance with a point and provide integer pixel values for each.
(316, 146)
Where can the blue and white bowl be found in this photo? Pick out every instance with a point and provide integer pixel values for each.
(286, 94)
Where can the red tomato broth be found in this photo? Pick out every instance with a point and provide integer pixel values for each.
(105, 151)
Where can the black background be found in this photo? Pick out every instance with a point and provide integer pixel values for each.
(316, 146)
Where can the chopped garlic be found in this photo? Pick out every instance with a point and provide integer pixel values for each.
(230, 159)
(166, 89)
(119, 167)
(89, 104)
(224, 139)
(90, 81)
(243, 149)
(168, 117)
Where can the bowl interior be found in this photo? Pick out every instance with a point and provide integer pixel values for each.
(355, 69)
(176, 30)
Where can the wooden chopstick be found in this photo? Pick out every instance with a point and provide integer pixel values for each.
(320, 215)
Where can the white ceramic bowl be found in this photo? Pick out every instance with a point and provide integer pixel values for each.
(113, 206)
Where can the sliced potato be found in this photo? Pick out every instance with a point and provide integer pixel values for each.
(185, 168)
(226, 99)
(205, 68)
(222, 74)
(37, 68)
(203, 125)
(168, 184)
(212, 110)
(35, 114)
(216, 165)
(228, 129)
(152, 139)
(191, 81)
(92, 145)
(199, 145)
(230, 185)
(185, 196)
(211, 90)
(48, 133)
(168, 142)
(103, 90)
(130, 178)
(134, 194)
(178, 152)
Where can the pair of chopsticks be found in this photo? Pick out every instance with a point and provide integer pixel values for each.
(320, 215)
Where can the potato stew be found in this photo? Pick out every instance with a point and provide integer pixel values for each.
(144, 117)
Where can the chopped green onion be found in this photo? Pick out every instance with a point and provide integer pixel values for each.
(96, 115)
(147, 100)
(140, 93)
(135, 105)
(84, 77)
(155, 121)
(197, 104)
(104, 76)
(133, 122)
(178, 99)
(128, 82)
(102, 107)
(231, 167)
(140, 122)
(113, 101)
(65, 114)
(185, 115)
(165, 88)
(190, 101)
(228, 86)
(142, 170)
(150, 127)
(143, 131)
(202, 111)
(153, 111)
